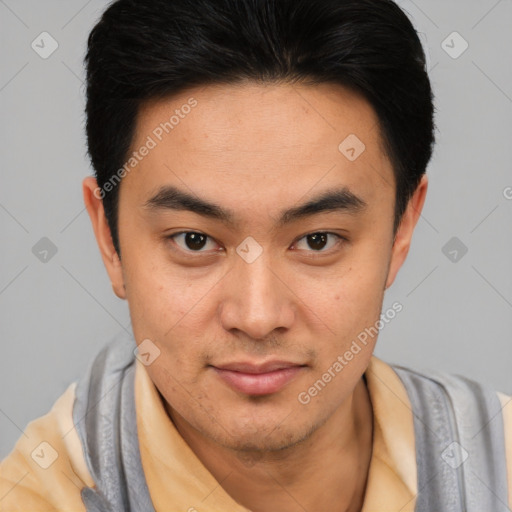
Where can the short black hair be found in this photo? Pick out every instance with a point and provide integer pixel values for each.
(148, 49)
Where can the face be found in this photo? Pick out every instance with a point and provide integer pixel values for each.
(256, 246)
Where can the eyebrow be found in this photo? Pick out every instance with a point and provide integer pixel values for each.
(172, 198)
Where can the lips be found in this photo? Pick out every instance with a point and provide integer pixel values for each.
(258, 379)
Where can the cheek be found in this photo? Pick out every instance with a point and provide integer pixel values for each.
(346, 304)
(174, 308)
(347, 295)
(154, 286)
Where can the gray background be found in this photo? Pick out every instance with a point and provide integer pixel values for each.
(55, 315)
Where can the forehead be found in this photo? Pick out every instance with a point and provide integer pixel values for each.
(275, 142)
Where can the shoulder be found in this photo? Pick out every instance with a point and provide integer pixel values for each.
(449, 408)
(437, 393)
(46, 468)
(458, 388)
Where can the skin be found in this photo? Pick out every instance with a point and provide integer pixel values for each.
(257, 150)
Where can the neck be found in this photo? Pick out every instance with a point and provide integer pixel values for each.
(328, 471)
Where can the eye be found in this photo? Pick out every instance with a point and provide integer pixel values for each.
(319, 242)
(192, 241)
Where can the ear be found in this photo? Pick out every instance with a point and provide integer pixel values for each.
(404, 234)
(94, 204)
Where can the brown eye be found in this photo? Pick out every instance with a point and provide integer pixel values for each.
(195, 241)
(319, 242)
(192, 241)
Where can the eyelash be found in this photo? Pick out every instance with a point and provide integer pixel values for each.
(340, 241)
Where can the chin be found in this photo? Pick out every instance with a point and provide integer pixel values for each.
(258, 438)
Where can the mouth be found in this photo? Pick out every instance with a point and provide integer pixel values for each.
(258, 379)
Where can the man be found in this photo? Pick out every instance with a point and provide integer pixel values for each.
(260, 169)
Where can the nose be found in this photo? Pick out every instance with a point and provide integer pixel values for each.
(257, 300)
